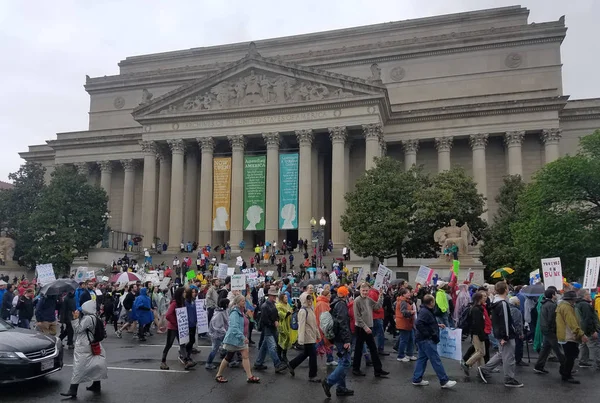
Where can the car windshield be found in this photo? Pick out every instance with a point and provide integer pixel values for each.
(4, 326)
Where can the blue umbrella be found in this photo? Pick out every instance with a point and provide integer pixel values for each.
(533, 290)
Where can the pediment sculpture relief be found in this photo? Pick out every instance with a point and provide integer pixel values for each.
(257, 89)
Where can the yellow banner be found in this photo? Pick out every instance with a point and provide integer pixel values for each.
(221, 193)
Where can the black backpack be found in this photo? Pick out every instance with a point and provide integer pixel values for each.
(464, 318)
(99, 333)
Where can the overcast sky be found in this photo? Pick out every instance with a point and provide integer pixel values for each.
(48, 47)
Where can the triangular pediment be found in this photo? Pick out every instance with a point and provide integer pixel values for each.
(255, 82)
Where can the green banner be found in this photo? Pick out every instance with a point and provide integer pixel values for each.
(255, 178)
(288, 191)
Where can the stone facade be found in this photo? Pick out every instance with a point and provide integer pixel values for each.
(482, 90)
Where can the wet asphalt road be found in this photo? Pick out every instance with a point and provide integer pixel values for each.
(134, 377)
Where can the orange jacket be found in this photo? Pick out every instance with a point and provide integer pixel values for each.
(404, 308)
(322, 306)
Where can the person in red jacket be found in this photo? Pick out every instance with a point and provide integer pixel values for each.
(378, 315)
(178, 301)
(405, 321)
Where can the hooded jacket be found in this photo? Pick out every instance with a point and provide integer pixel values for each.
(191, 311)
(323, 305)
(547, 317)
(235, 332)
(502, 322)
(308, 331)
(142, 308)
(478, 322)
(378, 312)
(219, 323)
(7, 303)
(588, 320)
(171, 317)
(405, 315)
(341, 319)
(517, 319)
(46, 309)
(567, 326)
(427, 326)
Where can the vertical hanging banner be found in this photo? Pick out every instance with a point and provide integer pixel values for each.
(255, 180)
(288, 191)
(221, 193)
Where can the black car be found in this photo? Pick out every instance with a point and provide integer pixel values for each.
(27, 354)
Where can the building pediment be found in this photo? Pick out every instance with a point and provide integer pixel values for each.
(255, 82)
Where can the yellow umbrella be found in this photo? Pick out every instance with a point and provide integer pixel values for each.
(503, 272)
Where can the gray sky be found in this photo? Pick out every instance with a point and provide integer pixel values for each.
(48, 48)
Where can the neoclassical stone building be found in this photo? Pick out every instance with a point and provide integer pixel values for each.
(251, 140)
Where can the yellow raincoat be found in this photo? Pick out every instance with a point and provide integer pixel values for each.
(287, 336)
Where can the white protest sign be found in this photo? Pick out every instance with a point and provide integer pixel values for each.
(383, 277)
(362, 275)
(552, 273)
(222, 273)
(238, 282)
(333, 278)
(450, 345)
(534, 277)
(91, 274)
(164, 284)
(424, 275)
(45, 274)
(239, 261)
(590, 278)
(202, 316)
(81, 274)
(182, 325)
(152, 277)
(230, 271)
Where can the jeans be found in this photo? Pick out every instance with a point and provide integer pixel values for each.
(444, 319)
(24, 323)
(406, 343)
(269, 345)
(67, 332)
(309, 351)
(338, 376)
(571, 353)
(363, 337)
(505, 357)
(378, 333)
(550, 343)
(592, 346)
(428, 352)
(216, 343)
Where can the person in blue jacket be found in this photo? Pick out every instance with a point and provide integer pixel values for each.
(190, 304)
(142, 310)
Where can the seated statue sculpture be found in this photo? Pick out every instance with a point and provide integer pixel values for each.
(460, 236)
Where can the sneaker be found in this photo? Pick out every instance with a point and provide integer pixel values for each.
(572, 381)
(210, 366)
(164, 366)
(381, 374)
(585, 365)
(182, 360)
(281, 368)
(482, 374)
(513, 383)
(326, 387)
(540, 371)
(344, 392)
(119, 334)
(195, 351)
(332, 364)
(495, 371)
(383, 353)
(422, 383)
(465, 368)
(522, 364)
(142, 339)
(413, 358)
(358, 372)
(292, 372)
(260, 367)
(189, 364)
(449, 384)
(403, 359)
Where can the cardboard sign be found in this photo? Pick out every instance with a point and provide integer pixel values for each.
(333, 278)
(164, 284)
(222, 273)
(450, 345)
(362, 275)
(230, 271)
(45, 274)
(152, 277)
(592, 268)
(456, 267)
(552, 273)
(202, 316)
(190, 275)
(534, 277)
(382, 280)
(238, 282)
(424, 275)
(182, 325)
(81, 274)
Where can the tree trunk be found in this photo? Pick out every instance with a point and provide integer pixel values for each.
(399, 257)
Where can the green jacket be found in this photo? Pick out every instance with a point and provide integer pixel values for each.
(588, 320)
(567, 326)
(442, 301)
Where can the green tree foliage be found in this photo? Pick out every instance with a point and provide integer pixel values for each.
(70, 218)
(499, 249)
(559, 213)
(394, 213)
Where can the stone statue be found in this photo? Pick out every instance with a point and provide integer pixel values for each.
(461, 236)
(7, 248)
(375, 73)
(146, 96)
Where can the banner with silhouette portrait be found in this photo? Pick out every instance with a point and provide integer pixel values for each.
(255, 178)
(288, 191)
(221, 193)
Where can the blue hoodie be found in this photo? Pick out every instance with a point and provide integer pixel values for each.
(142, 308)
(191, 311)
(46, 309)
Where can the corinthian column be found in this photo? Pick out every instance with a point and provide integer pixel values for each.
(373, 134)
(207, 144)
(513, 141)
(305, 138)
(272, 202)
(478, 143)
(551, 139)
(106, 177)
(191, 193)
(443, 146)
(149, 193)
(128, 191)
(410, 153)
(164, 199)
(237, 189)
(176, 216)
(338, 136)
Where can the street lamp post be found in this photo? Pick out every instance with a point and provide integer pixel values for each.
(106, 216)
(317, 237)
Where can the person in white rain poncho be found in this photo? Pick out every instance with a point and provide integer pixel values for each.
(87, 367)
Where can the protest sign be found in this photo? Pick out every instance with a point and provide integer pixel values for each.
(164, 284)
(222, 273)
(45, 274)
(552, 273)
(238, 282)
(190, 275)
(202, 316)
(230, 271)
(450, 344)
(81, 274)
(534, 277)
(424, 275)
(153, 278)
(456, 267)
(590, 278)
(182, 325)
(333, 278)
(91, 274)
(383, 278)
(362, 275)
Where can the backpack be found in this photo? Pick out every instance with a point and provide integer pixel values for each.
(326, 324)
(99, 333)
(294, 320)
(464, 319)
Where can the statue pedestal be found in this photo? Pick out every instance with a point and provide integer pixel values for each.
(467, 263)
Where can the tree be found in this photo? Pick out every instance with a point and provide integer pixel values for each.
(450, 194)
(499, 249)
(18, 204)
(380, 208)
(69, 220)
(559, 213)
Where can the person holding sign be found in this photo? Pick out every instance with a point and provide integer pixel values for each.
(236, 341)
(178, 301)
